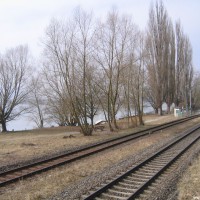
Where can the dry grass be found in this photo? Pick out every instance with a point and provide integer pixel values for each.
(26, 145)
(148, 120)
(49, 183)
(56, 180)
(189, 185)
(17, 147)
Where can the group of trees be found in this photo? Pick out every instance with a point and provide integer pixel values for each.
(94, 67)
(91, 66)
(169, 61)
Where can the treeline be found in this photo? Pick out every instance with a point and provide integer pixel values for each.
(91, 65)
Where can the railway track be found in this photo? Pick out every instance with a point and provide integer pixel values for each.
(136, 183)
(38, 167)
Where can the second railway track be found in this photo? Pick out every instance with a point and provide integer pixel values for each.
(131, 184)
(38, 167)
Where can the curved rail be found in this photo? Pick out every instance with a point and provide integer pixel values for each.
(132, 183)
(38, 167)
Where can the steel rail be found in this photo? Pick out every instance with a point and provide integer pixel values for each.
(120, 178)
(44, 165)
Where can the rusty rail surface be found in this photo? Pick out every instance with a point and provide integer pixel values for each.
(132, 183)
(47, 164)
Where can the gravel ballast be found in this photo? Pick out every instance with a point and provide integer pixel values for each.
(78, 189)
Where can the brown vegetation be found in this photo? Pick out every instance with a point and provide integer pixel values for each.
(189, 185)
(52, 182)
(20, 146)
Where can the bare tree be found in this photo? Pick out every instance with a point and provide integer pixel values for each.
(58, 108)
(133, 76)
(14, 69)
(158, 42)
(179, 64)
(195, 92)
(111, 48)
(37, 103)
(169, 87)
(68, 63)
(85, 103)
(93, 95)
(184, 68)
(187, 72)
(139, 79)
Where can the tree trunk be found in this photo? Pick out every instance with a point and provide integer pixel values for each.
(109, 121)
(136, 118)
(41, 123)
(140, 119)
(114, 118)
(140, 114)
(109, 112)
(92, 120)
(168, 108)
(4, 129)
(160, 112)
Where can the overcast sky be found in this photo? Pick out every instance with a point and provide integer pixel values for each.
(24, 21)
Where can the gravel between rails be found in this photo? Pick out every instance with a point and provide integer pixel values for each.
(168, 190)
(75, 191)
